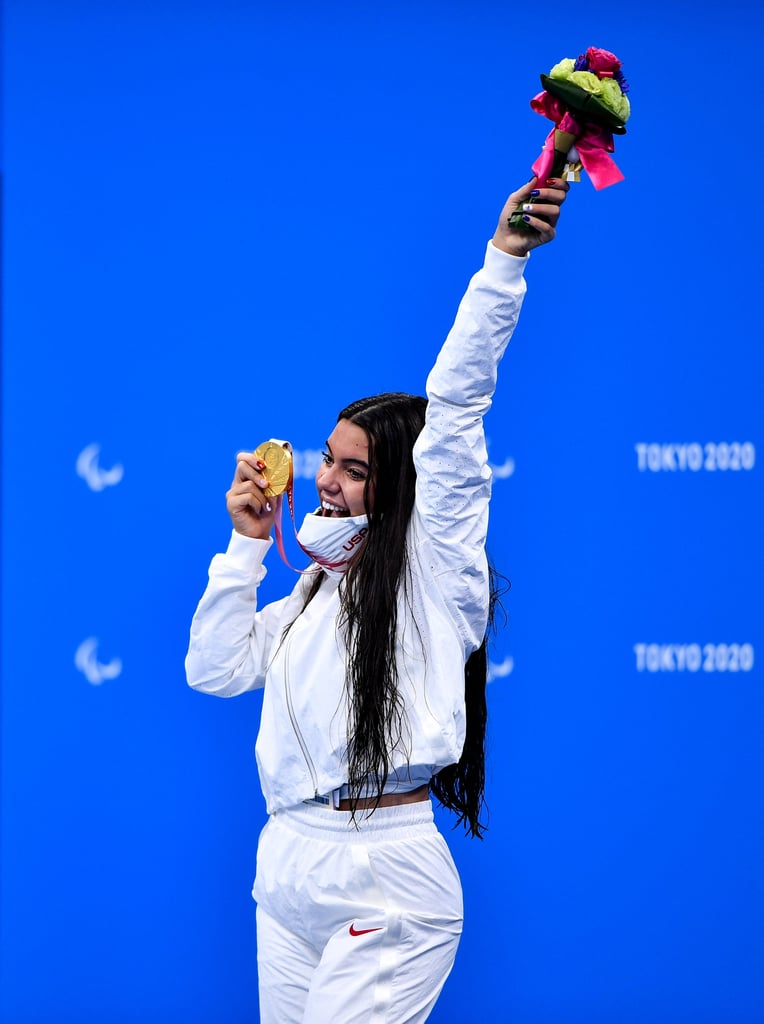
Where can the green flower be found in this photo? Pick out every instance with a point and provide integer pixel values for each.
(563, 69)
(614, 99)
(587, 81)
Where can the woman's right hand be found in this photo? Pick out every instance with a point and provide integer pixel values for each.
(251, 512)
(540, 208)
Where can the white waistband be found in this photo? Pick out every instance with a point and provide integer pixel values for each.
(398, 821)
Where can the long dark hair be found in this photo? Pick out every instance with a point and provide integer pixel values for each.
(370, 592)
(461, 787)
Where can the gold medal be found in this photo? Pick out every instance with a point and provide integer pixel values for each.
(277, 456)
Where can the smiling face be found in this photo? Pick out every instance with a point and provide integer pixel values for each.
(341, 480)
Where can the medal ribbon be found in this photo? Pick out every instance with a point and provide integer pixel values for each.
(279, 531)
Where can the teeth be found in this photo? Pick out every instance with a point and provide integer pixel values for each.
(332, 508)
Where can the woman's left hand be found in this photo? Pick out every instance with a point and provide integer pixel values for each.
(540, 208)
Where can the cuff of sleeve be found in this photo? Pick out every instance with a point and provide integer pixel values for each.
(502, 267)
(246, 553)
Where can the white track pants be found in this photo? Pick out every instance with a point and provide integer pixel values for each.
(354, 925)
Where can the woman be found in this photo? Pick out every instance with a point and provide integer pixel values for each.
(364, 712)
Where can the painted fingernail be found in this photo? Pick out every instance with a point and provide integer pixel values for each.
(528, 207)
(260, 464)
(526, 218)
(268, 507)
(536, 192)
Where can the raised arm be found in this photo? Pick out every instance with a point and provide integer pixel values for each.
(453, 476)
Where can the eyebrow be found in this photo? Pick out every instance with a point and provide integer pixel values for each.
(345, 462)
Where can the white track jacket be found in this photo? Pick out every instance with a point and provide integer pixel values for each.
(234, 646)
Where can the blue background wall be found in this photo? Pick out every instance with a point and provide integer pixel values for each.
(223, 222)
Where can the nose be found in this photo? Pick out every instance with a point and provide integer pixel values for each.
(326, 479)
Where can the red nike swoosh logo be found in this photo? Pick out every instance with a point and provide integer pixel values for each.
(362, 931)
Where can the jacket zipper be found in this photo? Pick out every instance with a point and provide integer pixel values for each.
(295, 726)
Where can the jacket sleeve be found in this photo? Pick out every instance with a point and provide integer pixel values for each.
(453, 476)
(230, 639)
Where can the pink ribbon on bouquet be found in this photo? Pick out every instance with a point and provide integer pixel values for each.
(593, 142)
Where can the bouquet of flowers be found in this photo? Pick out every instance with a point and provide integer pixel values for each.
(586, 99)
